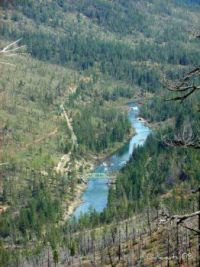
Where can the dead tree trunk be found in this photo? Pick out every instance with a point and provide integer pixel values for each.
(177, 242)
(148, 221)
(199, 228)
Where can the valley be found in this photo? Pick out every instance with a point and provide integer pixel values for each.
(84, 85)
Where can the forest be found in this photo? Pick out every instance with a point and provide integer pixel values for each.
(63, 107)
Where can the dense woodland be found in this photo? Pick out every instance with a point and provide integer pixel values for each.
(84, 60)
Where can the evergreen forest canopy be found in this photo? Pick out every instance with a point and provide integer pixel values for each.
(87, 58)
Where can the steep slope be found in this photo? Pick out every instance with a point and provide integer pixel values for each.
(84, 35)
(84, 58)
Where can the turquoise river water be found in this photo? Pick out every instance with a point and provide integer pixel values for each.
(96, 194)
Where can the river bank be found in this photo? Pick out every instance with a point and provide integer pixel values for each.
(96, 194)
(93, 192)
(83, 177)
(91, 162)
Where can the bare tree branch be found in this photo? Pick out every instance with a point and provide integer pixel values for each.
(181, 218)
(11, 50)
(5, 163)
(184, 89)
(183, 97)
(192, 229)
(195, 144)
(191, 74)
(6, 63)
(9, 46)
(178, 218)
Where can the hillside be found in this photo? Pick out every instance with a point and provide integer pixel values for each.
(62, 108)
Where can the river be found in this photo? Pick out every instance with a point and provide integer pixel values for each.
(96, 194)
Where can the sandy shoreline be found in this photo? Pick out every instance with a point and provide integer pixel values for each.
(80, 188)
(77, 201)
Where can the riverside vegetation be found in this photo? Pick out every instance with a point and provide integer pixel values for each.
(88, 58)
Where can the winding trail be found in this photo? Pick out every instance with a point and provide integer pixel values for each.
(65, 159)
(73, 136)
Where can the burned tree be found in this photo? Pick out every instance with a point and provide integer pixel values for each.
(183, 89)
